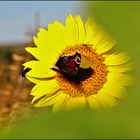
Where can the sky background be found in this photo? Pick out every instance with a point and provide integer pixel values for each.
(16, 17)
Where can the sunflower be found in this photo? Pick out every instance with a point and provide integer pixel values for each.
(77, 65)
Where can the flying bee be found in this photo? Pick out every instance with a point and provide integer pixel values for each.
(23, 71)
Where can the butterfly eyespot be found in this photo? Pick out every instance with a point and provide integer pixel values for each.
(65, 60)
(77, 60)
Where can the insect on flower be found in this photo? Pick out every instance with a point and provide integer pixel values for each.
(23, 71)
(69, 66)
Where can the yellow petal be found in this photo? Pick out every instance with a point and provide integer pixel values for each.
(58, 106)
(41, 74)
(48, 101)
(81, 29)
(34, 52)
(106, 99)
(115, 91)
(39, 54)
(41, 40)
(75, 103)
(45, 88)
(121, 68)
(117, 59)
(39, 69)
(71, 31)
(56, 40)
(90, 29)
(49, 40)
(94, 102)
(33, 80)
(105, 45)
(50, 43)
(119, 79)
(97, 37)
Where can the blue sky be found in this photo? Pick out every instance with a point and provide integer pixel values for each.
(18, 16)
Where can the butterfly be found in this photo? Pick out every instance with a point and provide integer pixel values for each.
(69, 67)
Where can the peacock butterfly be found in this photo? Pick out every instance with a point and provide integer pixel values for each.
(69, 67)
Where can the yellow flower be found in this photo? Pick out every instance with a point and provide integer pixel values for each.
(76, 66)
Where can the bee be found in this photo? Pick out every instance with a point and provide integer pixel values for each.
(86, 45)
(23, 71)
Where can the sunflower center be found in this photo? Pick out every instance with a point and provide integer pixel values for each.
(89, 75)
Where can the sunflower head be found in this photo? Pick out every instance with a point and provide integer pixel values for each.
(76, 66)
